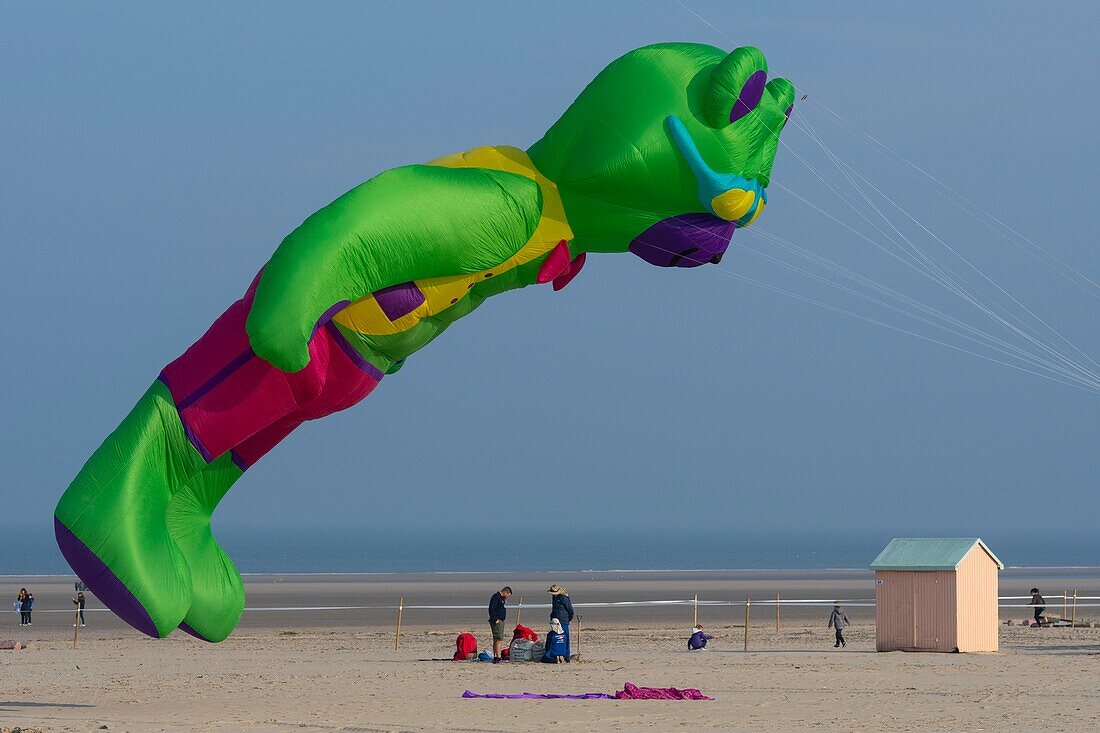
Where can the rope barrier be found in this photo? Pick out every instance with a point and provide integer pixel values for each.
(803, 602)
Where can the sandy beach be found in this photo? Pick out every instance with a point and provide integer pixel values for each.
(337, 670)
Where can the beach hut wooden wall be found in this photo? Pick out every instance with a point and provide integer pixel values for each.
(935, 594)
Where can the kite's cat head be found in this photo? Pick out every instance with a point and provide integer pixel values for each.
(668, 151)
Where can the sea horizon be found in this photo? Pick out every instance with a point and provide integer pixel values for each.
(444, 551)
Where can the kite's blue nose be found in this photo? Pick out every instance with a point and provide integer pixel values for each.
(726, 195)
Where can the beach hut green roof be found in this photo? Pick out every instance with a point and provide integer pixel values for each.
(928, 553)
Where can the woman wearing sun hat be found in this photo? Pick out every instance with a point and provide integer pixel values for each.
(561, 608)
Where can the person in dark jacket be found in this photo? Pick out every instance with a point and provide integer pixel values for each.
(497, 613)
(838, 620)
(79, 602)
(698, 640)
(1040, 604)
(561, 608)
(25, 600)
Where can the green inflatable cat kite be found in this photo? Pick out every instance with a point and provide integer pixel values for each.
(665, 154)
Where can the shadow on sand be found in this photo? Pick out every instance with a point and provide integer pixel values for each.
(10, 705)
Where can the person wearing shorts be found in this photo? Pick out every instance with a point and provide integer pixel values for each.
(497, 613)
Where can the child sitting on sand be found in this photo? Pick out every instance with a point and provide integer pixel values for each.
(698, 640)
(557, 647)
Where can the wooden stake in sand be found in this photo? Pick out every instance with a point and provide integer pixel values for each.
(747, 603)
(1073, 615)
(696, 610)
(519, 613)
(400, 612)
(76, 626)
(777, 612)
(1064, 614)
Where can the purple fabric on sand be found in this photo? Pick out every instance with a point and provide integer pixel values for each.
(538, 696)
(630, 691)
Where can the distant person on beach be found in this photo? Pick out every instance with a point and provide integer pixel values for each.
(79, 601)
(25, 601)
(838, 620)
(497, 613)
(561, 608)
(698, 640)
(1040, 604)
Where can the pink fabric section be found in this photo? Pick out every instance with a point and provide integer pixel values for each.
(555, 264)
(574, 268)
(633, 692)
(229, 398)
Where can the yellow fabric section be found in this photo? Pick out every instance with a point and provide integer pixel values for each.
(733, 204)
(759, 211)
(440, 293)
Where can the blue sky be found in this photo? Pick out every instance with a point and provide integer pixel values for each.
(154, 156)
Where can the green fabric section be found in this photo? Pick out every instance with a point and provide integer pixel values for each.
(218, 596)
(725, 82)
(383, 351)
(143, 501)
(405, 224)
(116, 505)
(611, 156)
(781, 94)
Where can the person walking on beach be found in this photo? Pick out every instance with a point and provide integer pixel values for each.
(561, 608)
(838, 620)
(497, 613)
(25, 601)
(1040, 604)
(79, 601)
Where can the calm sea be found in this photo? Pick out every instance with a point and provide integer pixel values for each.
(32, 551)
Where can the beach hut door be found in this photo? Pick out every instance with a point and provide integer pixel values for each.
(925, 602)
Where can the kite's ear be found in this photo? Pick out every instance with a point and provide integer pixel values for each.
(735, 86)
(775, 110)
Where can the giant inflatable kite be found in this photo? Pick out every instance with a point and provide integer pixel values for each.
(665, 154)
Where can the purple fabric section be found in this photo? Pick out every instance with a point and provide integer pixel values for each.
(751, 91)
(184, 627)
(688, 240)
(101, 581)
(352, 354)
(787, 114)
(330, 314)
(399, 300)
(194, 440)
(538, 696)
(220, 376)
(191, 437)
(237, 461)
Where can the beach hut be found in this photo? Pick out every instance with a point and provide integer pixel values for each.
(934, 594)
